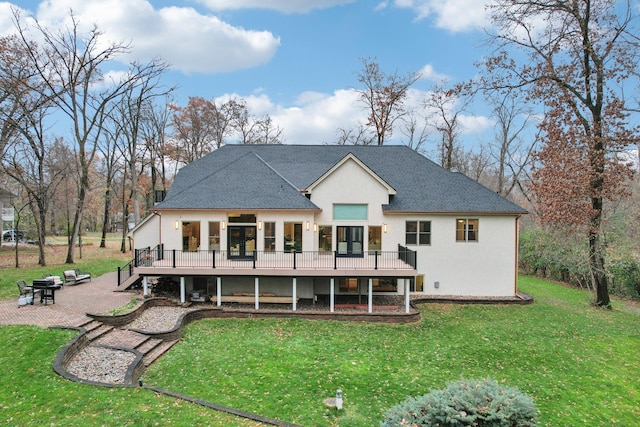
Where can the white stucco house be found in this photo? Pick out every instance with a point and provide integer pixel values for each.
(280, 223)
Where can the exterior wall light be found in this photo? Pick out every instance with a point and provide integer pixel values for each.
(224, 224)
(259, 225)
(315, 227)
(177, 224)
(384, 227)
(308, 225)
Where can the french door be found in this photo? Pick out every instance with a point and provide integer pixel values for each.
(350, 241)
(241, 241)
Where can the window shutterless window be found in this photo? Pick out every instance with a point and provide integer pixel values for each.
(418, 232)
(269, 236)
(466, 230)
(325, 238)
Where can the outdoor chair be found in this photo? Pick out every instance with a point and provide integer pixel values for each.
(73, 277)
(26, 290)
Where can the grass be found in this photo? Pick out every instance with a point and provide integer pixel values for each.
(94, 259)
(31, 394)
(578, 363)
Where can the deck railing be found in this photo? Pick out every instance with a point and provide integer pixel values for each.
(403, 259)
(125, 272)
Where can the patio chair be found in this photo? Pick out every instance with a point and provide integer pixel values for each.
(73, 277)
(26, 290)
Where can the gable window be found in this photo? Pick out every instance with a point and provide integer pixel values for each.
(418, 232)
(350, 212)
(466, 230)
(269, 236)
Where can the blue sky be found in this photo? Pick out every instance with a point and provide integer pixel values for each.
(295, 60)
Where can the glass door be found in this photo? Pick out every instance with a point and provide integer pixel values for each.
(242, 241)
(349, 241)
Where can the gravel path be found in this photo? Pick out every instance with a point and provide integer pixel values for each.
(158, 319)
(100, 364)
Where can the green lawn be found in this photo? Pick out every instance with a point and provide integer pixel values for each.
(579, 364)
(96, 260)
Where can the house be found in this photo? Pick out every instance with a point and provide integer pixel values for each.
(7, 211)
(279, 223)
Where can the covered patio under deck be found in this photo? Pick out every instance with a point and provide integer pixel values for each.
(282, 265)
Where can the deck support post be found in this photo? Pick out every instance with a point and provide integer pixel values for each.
(407, 299)
(332, 295)
(257, 292)
(145, 286)
(183, 298)
(370, 293)
(218, 291)
(295, 292)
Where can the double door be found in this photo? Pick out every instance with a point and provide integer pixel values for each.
(242, 241)
(350, 241)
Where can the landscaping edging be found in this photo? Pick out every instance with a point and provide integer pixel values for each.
(119, 320)
(77, 344)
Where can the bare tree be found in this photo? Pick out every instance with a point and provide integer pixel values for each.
(445, 107)
(576, 53)
(511, 150)
(69, 68)
(383, 97)
(357, 135)
(154, 133)
(129, 111)
(416, 130)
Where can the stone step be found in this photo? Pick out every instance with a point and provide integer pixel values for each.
(149, 345)
(90, 325)
(158, 351)
(121, 338)
(99, 331)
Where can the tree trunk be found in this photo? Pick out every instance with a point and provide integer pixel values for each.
(596, 258)
(105, 219)
(41, 227)
(77, 218)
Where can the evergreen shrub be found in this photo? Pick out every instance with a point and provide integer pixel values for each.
(483, 403)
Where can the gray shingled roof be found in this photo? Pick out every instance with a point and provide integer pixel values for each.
(272, 176)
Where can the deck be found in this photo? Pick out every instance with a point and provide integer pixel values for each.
(176, 262)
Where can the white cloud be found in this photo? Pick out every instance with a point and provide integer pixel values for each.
(187, 39)
(452, 15)
(314, 118)
(429, 73)
(286, 6)
(381, 6)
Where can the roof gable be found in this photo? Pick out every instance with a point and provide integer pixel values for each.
(351, 158)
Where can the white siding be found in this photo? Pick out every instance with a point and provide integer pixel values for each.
(483, 268)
